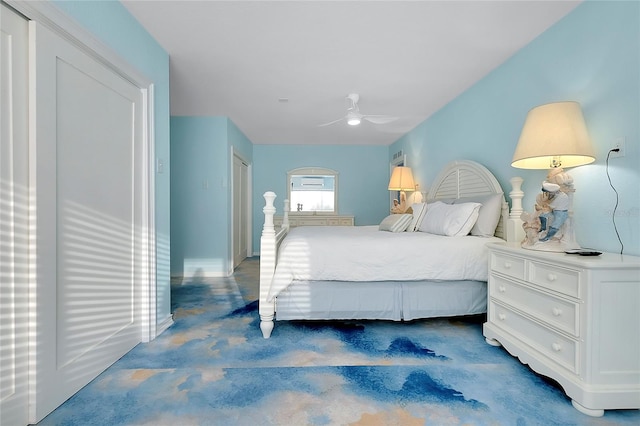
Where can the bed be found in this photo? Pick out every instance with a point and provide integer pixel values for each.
(431, 262)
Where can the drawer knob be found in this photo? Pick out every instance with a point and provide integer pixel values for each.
(502, 317)
(552, 277)
(507, 265)
(501, 289)
(556, 347)
(557, 312)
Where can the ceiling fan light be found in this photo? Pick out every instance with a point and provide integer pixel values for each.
(353, 119)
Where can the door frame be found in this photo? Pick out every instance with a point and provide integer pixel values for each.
(249, 207)
(14, 235)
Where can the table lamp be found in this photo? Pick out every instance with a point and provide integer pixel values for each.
(401, 180)
(554, 136)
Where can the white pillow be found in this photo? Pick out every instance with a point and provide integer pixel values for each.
(395, 222)
(488, 215)
(418, 211)
(452, 220)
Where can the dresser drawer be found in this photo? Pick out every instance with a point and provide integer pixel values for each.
(554, 346)
(315, 220)
(565, 281)
(340, 221)
(508, 265)
(557, 312)
(311, 221)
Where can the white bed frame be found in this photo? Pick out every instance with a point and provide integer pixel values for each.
(458, 179)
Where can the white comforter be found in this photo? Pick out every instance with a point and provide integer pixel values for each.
(362, 253)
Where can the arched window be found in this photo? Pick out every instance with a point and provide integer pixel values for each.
(313, 190)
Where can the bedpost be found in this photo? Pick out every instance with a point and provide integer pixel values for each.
(285, 216)
(515, 232)
(268, 252)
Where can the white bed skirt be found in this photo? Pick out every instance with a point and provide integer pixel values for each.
(386, 300)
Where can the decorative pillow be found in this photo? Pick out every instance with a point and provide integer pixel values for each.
(488, 215)
(452, 220)
(442, 200)
(395, 222)
(418, 210)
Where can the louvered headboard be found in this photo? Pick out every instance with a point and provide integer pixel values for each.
(466, 178)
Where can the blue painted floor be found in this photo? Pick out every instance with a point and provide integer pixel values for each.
(212, 367)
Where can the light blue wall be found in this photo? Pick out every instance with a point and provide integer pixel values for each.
(591, 56)
(239, 141)
(363, 178)
(199, 180)
(114, 26)
(201, 198)
(200, 213)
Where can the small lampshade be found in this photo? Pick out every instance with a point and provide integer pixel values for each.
(402, 179)
(554, 135)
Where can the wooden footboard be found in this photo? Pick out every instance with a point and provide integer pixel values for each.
(269, 244)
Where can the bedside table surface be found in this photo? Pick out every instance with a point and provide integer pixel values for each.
(605, 260)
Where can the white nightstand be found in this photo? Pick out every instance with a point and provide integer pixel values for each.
(575, 319)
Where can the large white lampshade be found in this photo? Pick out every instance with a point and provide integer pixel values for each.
(554, 135)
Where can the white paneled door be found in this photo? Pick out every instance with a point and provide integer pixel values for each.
(14, 264)
(86, 169)
(240, 210)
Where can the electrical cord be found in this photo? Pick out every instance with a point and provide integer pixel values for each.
(613, 217)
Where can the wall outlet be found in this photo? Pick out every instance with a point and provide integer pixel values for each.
(618, 144)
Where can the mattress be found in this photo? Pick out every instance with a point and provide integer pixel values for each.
(365, 254)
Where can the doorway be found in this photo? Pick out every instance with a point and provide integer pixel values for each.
(241, 206)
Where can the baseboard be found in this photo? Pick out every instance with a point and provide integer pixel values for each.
(160, 328)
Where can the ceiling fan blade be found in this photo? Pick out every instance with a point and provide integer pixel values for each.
(379, 119)
(331, 122)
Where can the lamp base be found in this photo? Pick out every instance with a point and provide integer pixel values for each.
(400, 207)
(550, 226)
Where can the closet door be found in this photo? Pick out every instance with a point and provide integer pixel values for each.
(86, 172)
(240, 210)
(14, 211)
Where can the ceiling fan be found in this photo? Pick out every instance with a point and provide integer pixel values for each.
(354, 116)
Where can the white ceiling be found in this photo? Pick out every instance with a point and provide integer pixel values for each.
(404, 58)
